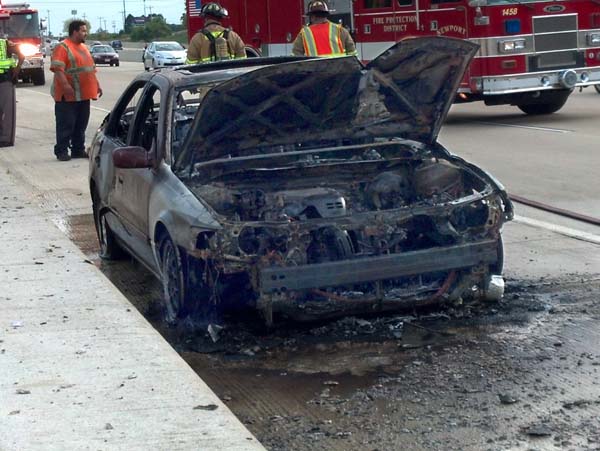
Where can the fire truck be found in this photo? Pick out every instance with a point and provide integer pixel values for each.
(533, 53)
(23, 28)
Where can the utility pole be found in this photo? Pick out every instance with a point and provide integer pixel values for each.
(105, 29)
(124, 15)
(114, 25)
(100, 22)
(48, 15)
(150, 8)
(144, 8)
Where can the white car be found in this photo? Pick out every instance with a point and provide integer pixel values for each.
(164, 53)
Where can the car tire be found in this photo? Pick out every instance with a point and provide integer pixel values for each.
(109, 247)
(173, 282)
(38, 77)
(117, 64)
(547, 103)
(597, 88)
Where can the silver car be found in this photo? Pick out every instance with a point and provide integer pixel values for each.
(299, 185)
(163, 54)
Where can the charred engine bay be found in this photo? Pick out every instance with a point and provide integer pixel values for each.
(342, 203)
(521, 374)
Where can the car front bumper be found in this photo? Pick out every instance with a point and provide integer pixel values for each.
(279, 280)
(169, 63)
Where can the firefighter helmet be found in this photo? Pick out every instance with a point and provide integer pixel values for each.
(318, 8)
(215, 10)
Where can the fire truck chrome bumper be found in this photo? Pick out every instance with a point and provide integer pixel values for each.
(347, 272)
(538, 81)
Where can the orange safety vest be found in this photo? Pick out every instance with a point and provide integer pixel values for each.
(322, 39)
(79, 68)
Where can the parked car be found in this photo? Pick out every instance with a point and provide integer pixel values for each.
(164, 53)
(104, 54)
(116, 44)
(241, 181)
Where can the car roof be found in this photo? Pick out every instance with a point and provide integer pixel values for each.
(190, 75)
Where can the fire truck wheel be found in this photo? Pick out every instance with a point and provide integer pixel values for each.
(251, 52)
(38, 78)
(547, 103)
(597, 88)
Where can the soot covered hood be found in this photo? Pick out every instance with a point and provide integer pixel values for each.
(405, 92)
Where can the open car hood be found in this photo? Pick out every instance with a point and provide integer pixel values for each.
(405, 92)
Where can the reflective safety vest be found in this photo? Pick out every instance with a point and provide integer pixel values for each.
(79, 68)
(323, 39)
(7, 62)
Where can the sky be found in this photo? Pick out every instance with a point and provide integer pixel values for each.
(111, 11)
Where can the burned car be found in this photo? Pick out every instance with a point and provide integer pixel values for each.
(299, 183)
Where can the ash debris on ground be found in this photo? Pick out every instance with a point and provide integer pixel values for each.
(512, 375)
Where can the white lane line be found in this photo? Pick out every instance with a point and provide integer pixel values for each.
(104, 110)
(528, 127)
(566, 231)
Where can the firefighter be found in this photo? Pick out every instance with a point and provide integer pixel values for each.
(214, 42)
(74, 85)
(9, 74)
(322, 37)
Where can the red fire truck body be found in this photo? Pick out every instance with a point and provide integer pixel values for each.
(23, 28)
(533, 52)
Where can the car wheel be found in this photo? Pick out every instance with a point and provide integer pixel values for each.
(117, 64)
(173, 281)
(111, 64)
(109, 247)
(547, 103)
(597, 88)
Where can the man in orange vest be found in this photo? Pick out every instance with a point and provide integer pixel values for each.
(74, 85)
(322, 37)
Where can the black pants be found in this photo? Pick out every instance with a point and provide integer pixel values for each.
(7, 112)
(71, 121)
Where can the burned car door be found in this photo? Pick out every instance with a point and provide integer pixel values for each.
(113, 135)
(132, 186)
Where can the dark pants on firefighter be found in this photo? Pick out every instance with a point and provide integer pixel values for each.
(8, 109)
(71, 121)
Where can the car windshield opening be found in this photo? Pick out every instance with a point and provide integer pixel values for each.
(102, 49)
(168, 47)
(21, 25)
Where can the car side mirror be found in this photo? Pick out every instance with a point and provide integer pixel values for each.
(132, 157)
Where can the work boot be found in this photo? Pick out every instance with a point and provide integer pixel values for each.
(79, 154)
(63, 157)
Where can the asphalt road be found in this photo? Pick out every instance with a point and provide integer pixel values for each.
(553, 159)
